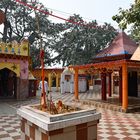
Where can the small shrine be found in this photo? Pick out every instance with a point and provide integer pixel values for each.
(67, 82)
(118, 65)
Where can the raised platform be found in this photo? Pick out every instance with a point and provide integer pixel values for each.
(76, 125)
(114, 104)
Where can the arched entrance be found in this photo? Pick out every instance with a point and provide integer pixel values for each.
(8, 83)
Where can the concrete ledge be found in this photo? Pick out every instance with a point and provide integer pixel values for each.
(51, 122)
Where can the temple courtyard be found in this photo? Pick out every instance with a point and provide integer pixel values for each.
(114, 125)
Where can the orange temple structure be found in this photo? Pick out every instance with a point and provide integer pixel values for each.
(122, 58)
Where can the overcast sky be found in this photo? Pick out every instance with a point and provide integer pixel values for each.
(100, 10)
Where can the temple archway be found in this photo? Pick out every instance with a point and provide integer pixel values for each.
(8, 83)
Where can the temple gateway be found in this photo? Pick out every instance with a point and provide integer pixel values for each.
(16, 81)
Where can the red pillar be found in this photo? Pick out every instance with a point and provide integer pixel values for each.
(103, 84)
(109, 84)
(124, 87)
(120, 85)
(76, 84)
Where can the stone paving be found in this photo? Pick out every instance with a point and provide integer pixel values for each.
(112, 126)
(6, 109)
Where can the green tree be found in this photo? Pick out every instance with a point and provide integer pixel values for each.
(80, 42)
(130, 16)
(21, 22)
(72, 43)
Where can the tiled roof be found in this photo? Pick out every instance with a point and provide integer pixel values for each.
(122, 44)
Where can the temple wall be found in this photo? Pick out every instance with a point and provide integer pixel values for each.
(24, 69)
(138, 79)
(50, 75)
(22, 88)
(20, 67)
(96, 89)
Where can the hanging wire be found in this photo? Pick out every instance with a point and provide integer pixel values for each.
(58, 17)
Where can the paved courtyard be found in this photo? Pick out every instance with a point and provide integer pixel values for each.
(112, 126)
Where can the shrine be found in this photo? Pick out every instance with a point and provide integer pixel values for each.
(119, 60)
(67, 81)
(53, 76)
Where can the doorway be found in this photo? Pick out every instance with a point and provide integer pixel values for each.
(8, 83)
(132, 84)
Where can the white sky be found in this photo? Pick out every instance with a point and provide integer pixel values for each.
(100, 10)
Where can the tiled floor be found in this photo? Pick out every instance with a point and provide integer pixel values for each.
(9, 127)
(115, 125)
(112, 126)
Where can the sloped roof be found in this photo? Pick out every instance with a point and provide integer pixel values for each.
(136, 55)
(122, 44)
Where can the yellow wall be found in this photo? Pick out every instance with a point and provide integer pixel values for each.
(13, 67)
(48, 73)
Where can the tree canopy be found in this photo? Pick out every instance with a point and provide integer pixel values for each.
(71, 43)
(79, 44)
(130, 16)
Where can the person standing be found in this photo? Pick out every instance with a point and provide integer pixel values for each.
(45, 86)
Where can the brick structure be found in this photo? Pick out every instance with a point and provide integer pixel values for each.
(37, 125)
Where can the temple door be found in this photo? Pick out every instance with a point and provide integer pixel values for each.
(132, 84)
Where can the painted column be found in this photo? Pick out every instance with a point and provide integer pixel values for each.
(124, 87)
(50, 81)
(103, 84)
(120, 84)
(57, 82)
(76, 84)
(109, 84)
